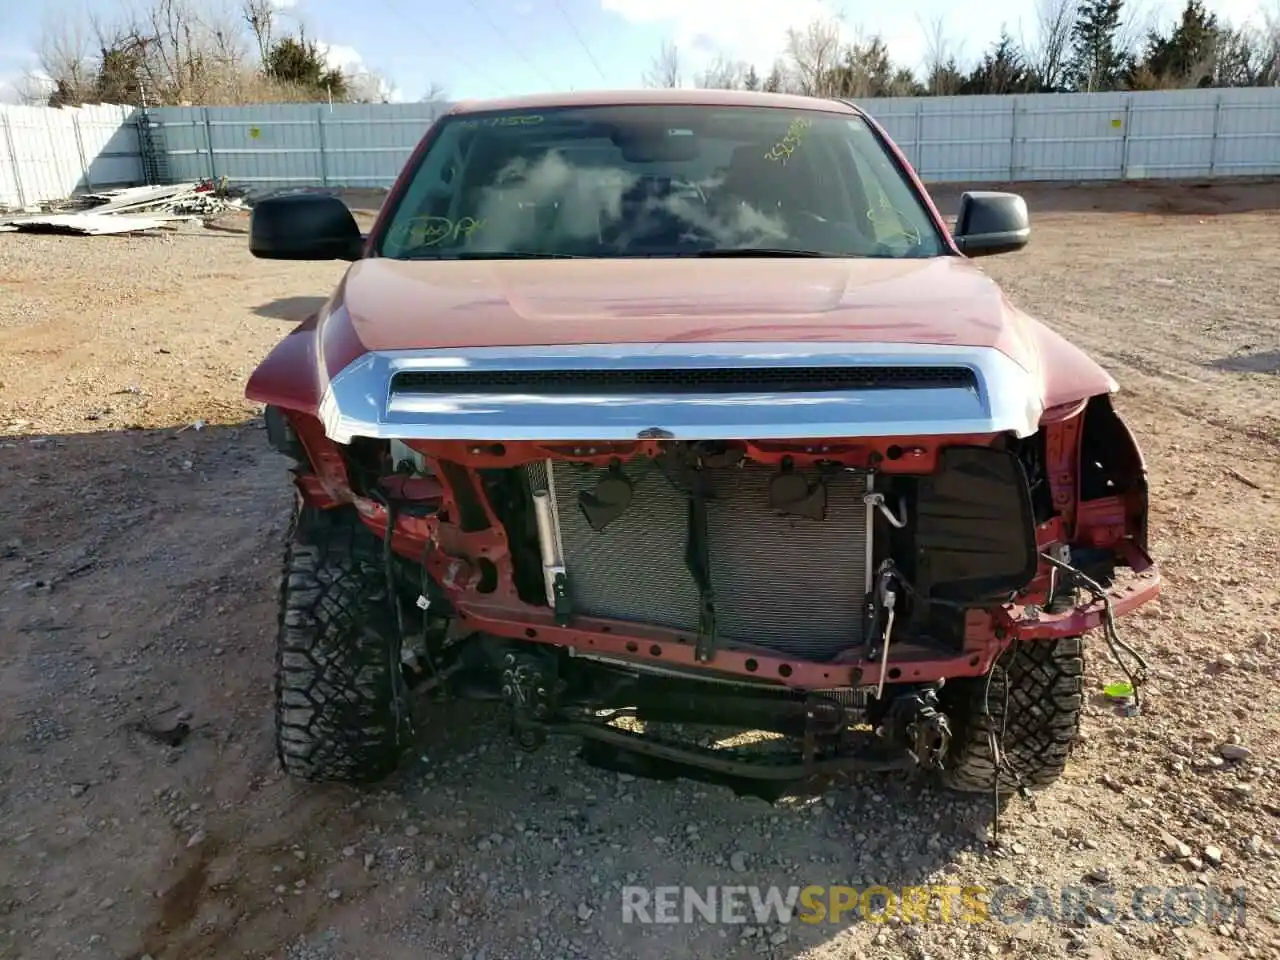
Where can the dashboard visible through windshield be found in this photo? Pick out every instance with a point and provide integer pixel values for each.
(658, 181)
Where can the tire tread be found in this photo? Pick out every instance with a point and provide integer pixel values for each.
(335, 689)
(1044, 680)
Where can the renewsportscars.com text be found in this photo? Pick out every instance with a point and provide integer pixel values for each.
(1178, 905)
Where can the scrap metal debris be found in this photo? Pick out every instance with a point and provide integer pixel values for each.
(90, 224)
(131, 209)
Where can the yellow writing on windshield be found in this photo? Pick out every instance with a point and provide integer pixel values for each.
(430, 231)
(520, 120)
(784, 148)
(891, 223)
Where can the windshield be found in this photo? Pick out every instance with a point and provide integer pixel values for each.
(658, 181)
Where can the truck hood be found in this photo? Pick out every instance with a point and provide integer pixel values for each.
(384, 306)
(397, 305)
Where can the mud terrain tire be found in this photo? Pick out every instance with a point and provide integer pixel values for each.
(1034, 703)
(337, 665)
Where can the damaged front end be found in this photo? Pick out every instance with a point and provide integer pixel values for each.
(811, 551)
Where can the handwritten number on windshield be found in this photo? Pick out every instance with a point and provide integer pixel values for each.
(519, 120)
(782, 150)
(893, 223)
(432, 231)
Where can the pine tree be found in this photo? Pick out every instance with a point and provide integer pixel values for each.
(1187, 56)
(299, 61)
(1003, 69)
(1097, 61)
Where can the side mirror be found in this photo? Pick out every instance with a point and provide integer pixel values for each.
(304, 227)
(990, 222)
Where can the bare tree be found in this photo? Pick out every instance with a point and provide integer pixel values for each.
(724, 74)
(260, 15)
(942, 76)
(1050, 48)
(1270, 42)
(33, 89)
(1248, 56)
(664, 68)
(814, 53)
(64, 57)
(225, 39)
(435, 93)
(182, 52)
(195, 52)
(779, 79)
(436, 97)
(367, 86)
(1136, 23)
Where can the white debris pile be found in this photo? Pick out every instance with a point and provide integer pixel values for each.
(131, 209)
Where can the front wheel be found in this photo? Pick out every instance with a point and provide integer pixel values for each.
(1031, 701)
(341, 713)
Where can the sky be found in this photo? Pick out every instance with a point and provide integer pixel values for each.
(487, 48)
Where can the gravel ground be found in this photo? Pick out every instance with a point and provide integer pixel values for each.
(141, 812)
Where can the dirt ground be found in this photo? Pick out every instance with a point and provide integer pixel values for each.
(139, 559)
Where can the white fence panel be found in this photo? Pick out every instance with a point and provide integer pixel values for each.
(50, 152)
(1103, 136)
(965, 138)
(346, 145)
(1079, 140)
(1248, 141)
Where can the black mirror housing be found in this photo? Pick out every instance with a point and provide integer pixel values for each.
(304, 226)
(991, 222)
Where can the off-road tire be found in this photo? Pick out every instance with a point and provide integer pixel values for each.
(338, 685)
(1041, 681)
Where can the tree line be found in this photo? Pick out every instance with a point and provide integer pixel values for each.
(184, 52)
(1084, 46)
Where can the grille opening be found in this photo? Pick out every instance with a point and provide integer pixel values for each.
(683, 380)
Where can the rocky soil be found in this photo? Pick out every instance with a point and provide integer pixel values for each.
(141, 517)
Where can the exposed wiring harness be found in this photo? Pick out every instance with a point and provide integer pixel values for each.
(995, 743)
(424, 605)
(888, 569)
(1131, 661)
(399, 687)
(1137, 672)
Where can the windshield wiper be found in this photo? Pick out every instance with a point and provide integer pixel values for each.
(762, 252)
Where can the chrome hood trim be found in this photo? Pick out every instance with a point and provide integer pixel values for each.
(359, 401)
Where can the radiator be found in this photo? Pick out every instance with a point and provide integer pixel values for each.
(794, 585)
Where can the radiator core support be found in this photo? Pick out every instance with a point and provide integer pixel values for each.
(794, 584)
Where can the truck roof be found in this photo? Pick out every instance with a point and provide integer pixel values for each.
(657, 97)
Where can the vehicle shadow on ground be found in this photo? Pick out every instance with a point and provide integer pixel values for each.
(568, 823)
(292, 309)
(1266, 362)
(140, 602)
